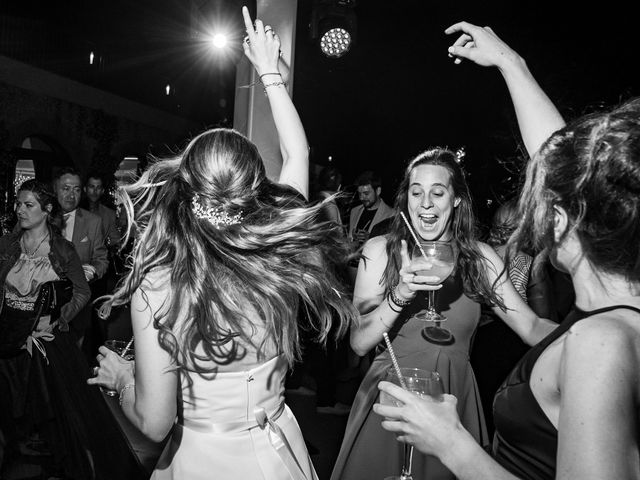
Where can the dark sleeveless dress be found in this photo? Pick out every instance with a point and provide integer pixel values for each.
(370, 452)
(526, 442)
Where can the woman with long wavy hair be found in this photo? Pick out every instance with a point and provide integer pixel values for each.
(223, 260)
(569, 408)
(435, 199)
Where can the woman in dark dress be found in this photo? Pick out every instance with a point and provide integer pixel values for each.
(569, 409)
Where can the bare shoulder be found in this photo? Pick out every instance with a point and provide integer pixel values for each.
(375, 247)
(157, 280)
(486, 250)
(154, 290)
(614, 334)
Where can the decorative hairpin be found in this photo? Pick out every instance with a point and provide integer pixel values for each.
(216, 216)
(460, 154)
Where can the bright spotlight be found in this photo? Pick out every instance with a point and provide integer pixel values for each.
(335, 42)
(333, 26)
(219, 40)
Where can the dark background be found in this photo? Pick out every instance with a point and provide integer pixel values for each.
(393, 95)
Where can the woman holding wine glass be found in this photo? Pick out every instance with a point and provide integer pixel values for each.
(433, 204)
(569, 408)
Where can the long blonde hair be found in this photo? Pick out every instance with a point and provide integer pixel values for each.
(278, 258)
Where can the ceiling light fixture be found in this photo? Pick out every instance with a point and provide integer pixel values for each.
(333, 26)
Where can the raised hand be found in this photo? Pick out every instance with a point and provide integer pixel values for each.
(261, 45)
(480, 45)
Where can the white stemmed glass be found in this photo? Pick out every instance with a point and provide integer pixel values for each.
(418, 381)
(438, 259)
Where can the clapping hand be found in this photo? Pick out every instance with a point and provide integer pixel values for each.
(480, 45)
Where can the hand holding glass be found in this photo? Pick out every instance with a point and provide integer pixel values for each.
(438, 259)
(418, 381)
(119, 347)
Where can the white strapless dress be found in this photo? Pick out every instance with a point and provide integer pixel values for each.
(236, 426)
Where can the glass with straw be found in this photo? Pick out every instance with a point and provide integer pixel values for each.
(438, 260)
(125, 350)
(418, 381)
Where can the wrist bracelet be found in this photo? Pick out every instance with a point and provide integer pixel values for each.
(274, 84)
(391, 306)
(123, 390)
(397, 300)
(270, 73)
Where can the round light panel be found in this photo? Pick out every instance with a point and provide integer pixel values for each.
(335, 42)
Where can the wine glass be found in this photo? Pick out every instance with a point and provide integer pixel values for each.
(438, 260)
(125, 350)
(418, 381)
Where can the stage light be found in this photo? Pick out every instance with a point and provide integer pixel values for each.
(335, 42)
(333, 26)
(219, 40)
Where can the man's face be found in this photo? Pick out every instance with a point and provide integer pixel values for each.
(68, 189)
(94, 189)
(368, 195)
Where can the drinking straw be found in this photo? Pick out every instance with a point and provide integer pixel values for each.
(126, 348)
(413, 234)
(394, 361)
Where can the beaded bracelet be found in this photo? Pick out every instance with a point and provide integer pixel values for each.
(123, 390)
(397, 300)
(274, 84)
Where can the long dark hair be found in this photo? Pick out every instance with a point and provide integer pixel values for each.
(276, 258)
(463, 227)
(591, 168)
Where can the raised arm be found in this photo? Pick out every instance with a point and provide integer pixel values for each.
(518, 316)
(537, 116)
(262, 48)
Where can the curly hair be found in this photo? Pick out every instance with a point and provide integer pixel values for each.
(278, 258)
(590, 168)
(464, 234)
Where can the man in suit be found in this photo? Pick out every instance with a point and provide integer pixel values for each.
(84, 230)
(94, 190)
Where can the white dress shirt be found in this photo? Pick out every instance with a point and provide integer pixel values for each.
(69, 223)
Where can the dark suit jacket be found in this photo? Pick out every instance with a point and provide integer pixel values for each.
(89, 241)
(109, 228)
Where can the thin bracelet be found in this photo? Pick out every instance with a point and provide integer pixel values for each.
(391, 306)
(270, 73)
(123, 390)
(397, 300)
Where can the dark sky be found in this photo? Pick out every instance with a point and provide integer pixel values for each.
(395, 94)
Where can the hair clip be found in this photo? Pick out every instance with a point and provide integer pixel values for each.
(460, 154)
(216, 216)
